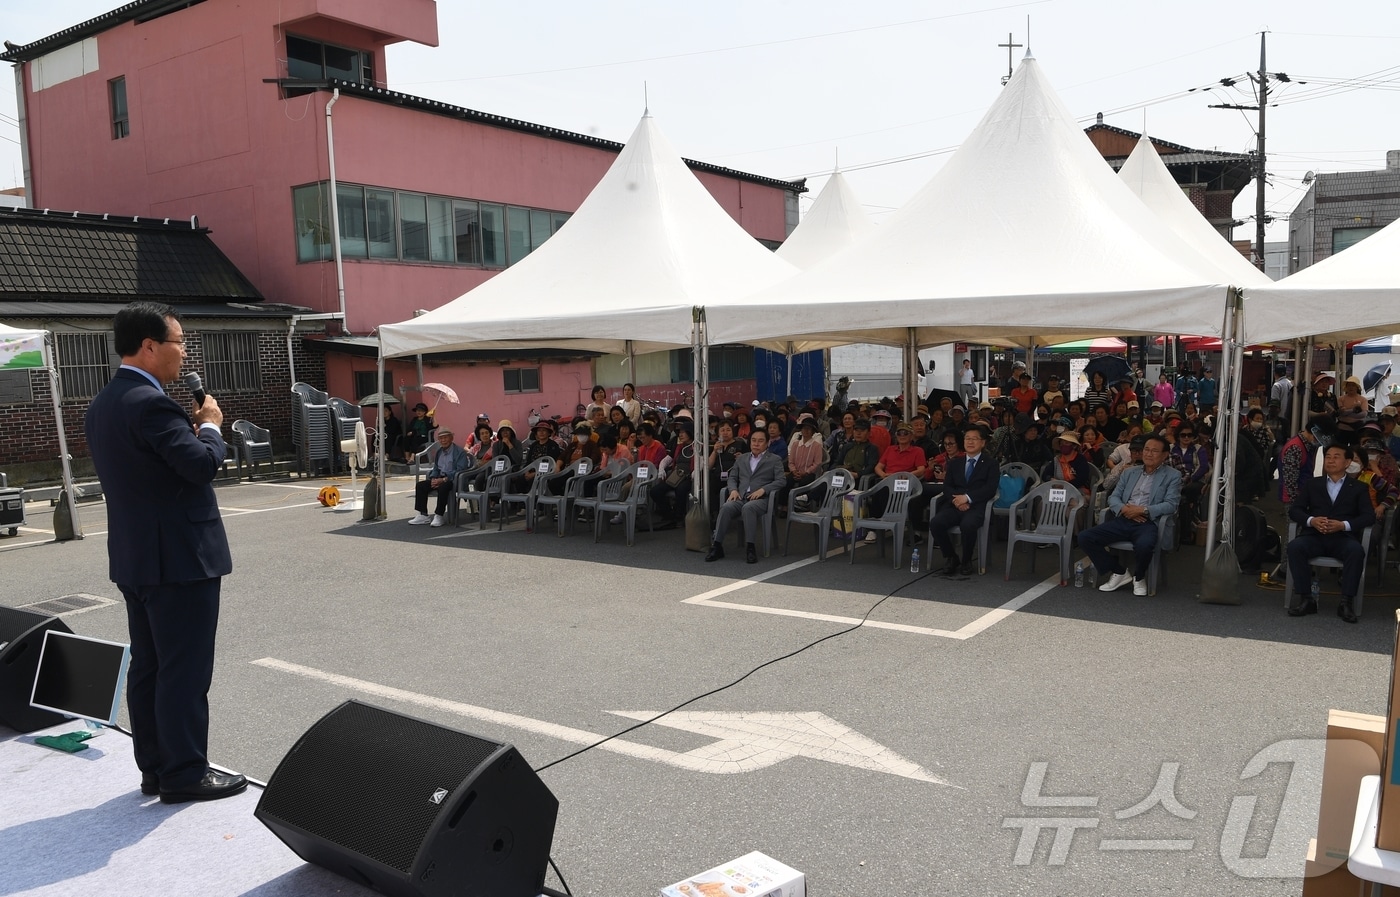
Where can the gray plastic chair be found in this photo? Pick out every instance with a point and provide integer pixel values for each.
(574, 477)
(1383, 545)
(983, 534)
(544, 468)
(611, 499)
(1022, 471)
(498, 470)
(252, 444)
(1054, 505)
(837, 483)
(616, 475)
(1324, 561)
(896, 515)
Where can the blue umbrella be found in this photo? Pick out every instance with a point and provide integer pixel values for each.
(1375, 377)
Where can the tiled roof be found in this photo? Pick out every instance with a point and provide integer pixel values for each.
(1183, 154)
(79, 257)
(139, 11)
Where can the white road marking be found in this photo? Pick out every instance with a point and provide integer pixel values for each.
(976, 627)
(769, 738)
(748, 741)
(240, 512)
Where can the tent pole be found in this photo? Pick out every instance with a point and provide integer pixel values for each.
(1300, 414)
(379, 436)
(631, 364)
(789, 371)
(1221, 445)
(911, 375)
(700, 350)
(51, 365)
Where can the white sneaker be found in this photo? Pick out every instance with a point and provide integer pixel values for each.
(871, 536)
(1116, 582)
(418, 519)
(616, 519)
(1139, 587)
(437, 520)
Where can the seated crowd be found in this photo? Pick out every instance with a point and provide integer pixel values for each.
(1143, 462)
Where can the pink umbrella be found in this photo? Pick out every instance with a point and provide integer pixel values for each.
(443, 391)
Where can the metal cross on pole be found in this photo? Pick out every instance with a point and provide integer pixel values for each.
(1010, 60)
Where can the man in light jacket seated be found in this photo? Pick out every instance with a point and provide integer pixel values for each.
(1142, 496)
(755, 474)
(451, 460)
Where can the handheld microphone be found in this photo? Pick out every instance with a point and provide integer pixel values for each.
(196, 386)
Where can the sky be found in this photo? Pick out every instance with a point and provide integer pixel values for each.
(888, 90)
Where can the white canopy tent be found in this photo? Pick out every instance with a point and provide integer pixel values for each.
(835, 221)
(623, 274)
(629, 272)
(1147, 176)
(1351, 295)
(1025, 237)
(17, 348)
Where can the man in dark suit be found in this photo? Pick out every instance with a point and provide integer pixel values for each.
(1333, 510)
(755, 475)
(166, 549)
(969, 483)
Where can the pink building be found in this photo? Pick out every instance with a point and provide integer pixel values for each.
(220, 109)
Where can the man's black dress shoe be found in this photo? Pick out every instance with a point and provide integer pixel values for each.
(213, 786)
(967, 569)
(1302, 610)
(951, 567)
(750, 553)
(716, 552)
(1345, 612)
(150, 784)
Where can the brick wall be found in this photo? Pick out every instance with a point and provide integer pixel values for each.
(28, 435)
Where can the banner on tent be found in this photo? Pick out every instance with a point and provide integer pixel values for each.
(21, 352)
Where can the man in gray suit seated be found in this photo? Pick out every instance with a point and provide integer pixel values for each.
(754, 476)
(1142, 497)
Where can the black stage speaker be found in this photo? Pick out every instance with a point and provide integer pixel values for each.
(21, 639)
(411, 808)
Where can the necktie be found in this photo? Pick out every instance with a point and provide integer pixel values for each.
(971, 463)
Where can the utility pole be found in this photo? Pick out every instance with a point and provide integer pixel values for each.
(1261, 79)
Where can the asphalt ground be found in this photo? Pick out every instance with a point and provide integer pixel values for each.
(954, 730)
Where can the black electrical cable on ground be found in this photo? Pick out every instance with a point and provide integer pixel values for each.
(715, 691)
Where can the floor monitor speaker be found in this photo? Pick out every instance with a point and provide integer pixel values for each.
(411, 808)
(21, 640)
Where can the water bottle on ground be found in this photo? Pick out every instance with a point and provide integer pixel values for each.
(1093, 575)
(914, 561)
(1316, 591)
(1079, 574)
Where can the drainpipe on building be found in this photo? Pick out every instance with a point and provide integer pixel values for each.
(23, 119)
(335, 213)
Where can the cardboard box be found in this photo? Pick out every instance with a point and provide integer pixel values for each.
(1388, 836)
(751, 875)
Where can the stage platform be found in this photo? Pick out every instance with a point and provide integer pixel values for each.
(78, 824)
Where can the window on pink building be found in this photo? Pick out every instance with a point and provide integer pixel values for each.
(121, 119)
(522, 379)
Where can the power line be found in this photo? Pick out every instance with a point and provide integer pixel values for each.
(770, 43)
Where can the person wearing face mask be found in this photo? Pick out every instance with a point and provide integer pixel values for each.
(1192, 458)
(1367, 470)
(1261, 436)
(1069, 464)
(1331, 511)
